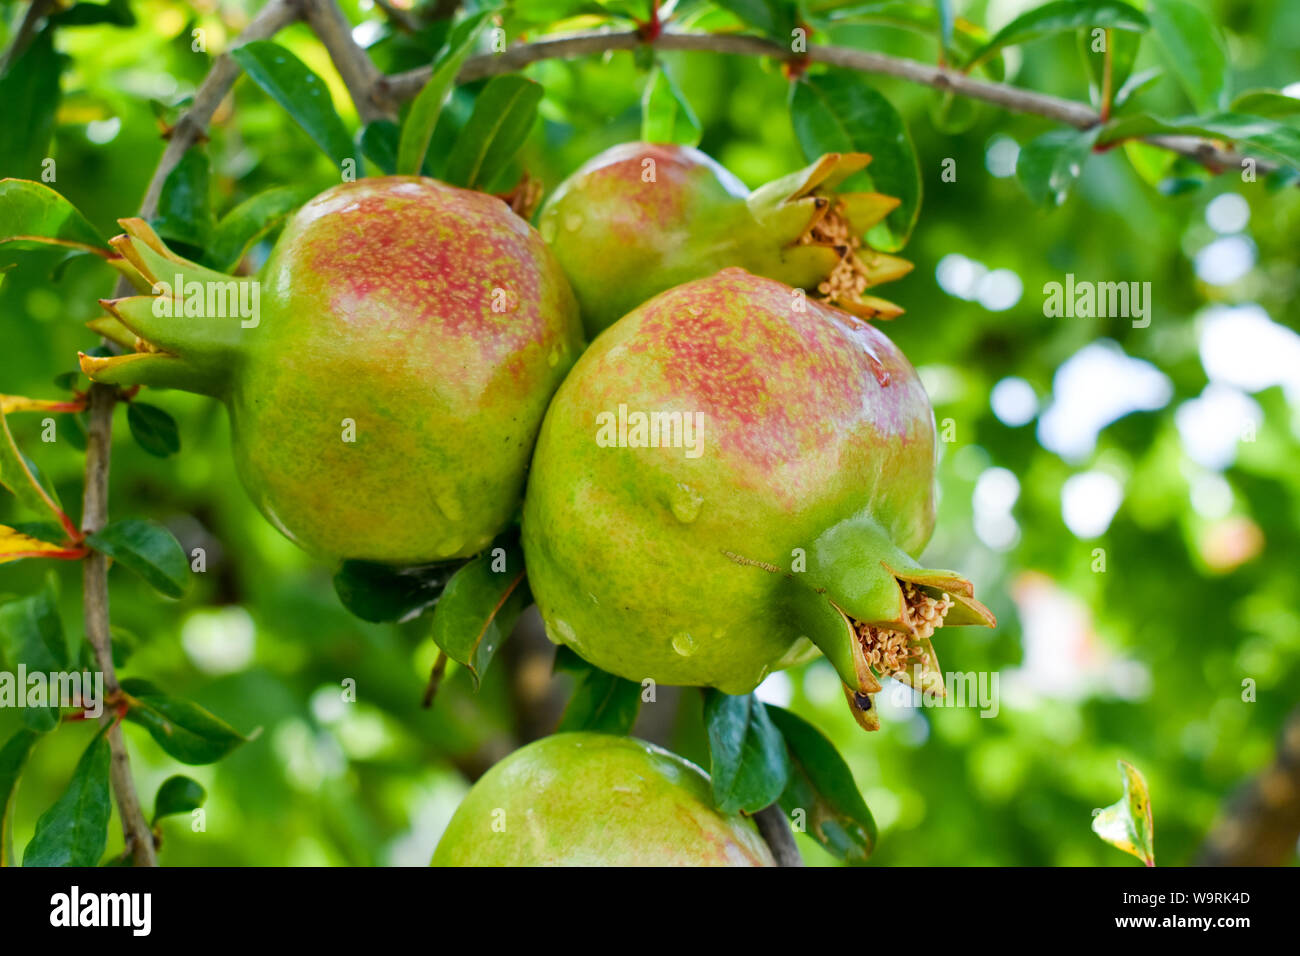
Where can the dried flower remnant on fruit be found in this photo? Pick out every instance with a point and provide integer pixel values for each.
(852, 275)
(888, 651)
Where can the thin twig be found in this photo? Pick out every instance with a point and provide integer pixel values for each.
(435, 680)
(403, 86)
(359, 74)
(194, 121)
(32, 19)
(94, 576)
(775, 830)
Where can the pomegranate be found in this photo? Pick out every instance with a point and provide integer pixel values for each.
(385, 374)
(641, 218)
(732, 476)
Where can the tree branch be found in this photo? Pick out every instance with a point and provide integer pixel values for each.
(359, 74)
(37, 12)
(775, 830)
(194, 122)
(403, 86)
(94, 577)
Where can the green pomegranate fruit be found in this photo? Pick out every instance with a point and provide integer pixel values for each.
(385, 374)
(730, 475)
(641, 218)
(596, 800)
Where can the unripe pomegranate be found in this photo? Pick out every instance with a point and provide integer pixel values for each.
(596, 800)
(730, 475)
(385, 376)
(641, 218)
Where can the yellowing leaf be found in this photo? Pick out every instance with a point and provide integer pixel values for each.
(1127, 824)
(15, 545)
(20, 403)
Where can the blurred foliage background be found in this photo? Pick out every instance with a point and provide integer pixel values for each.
(1167, 455)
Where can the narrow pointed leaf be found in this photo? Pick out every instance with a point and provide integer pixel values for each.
(13, 757)
(822, 786)
(146, 549)
(185, 205)
(19, 476)
(601, 701)
(74, 831)
(1193, 51)
(1059, 16)
(748, 762)
(666, 116)
(292, 84)
(503, 114)
(15, 545)
(423, 117)
(29, 90)
(181, 727)
(481, 604)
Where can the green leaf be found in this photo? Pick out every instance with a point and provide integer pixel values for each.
(1266, 103)
(838, 112)
(478, 610)
(423, 117)
(20, 476)
(248, 222)
(1193, 51)
(154, 429)
(181, 727)
(381, 592)
(292, 84)
(601, 702)
(33, 215)
(503, 114)
(29, 91)
(379, 145)
(31, 635)
(943, 9)
(147, 549)
(185, 205)
(1128, 824)
(74, 831)
(1258, 134)
(1123, 46)
(773, 18)
(178, 794)
(748, 762)
(13, 757)
(1049, 165)
(666, 116)
(1059, 16)
(822, 787)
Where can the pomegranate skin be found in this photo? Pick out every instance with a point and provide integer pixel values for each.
(385, 402)
(817, 440)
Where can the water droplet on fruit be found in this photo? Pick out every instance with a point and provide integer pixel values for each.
(685, 502)
(547, 229)
(573, 222)
(450, 547)
(554, 358)
(684, 644)
(564, 630)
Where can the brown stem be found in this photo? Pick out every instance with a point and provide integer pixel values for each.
(194, 121)
(403, 86)
(359, 74)
(775, 830)
(94, 515)
(37, 12)
(435, 680)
